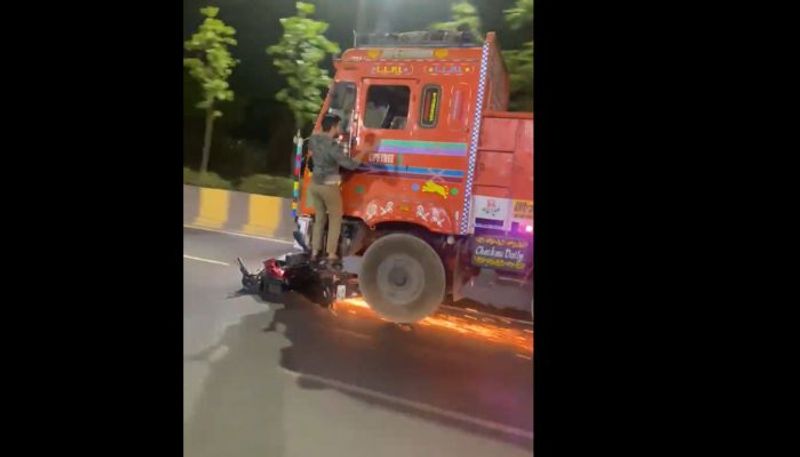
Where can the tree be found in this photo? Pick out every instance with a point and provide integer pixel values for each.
(297, 57)
(464, 17)
(521, 15)
(211, 68)
(520, 62)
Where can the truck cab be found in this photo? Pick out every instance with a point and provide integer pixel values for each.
(449, 170)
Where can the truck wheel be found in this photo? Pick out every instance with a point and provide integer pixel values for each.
(402, 278)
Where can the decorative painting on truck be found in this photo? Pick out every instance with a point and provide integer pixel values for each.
(501, 253)
(432, 148)
(523, 209)
(493, 208)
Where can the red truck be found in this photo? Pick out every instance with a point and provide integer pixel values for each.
(448, 187)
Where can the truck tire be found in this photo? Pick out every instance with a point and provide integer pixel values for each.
(402, 278)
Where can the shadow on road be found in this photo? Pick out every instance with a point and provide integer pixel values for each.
(440, 378)
(240, 411)
(443, 379)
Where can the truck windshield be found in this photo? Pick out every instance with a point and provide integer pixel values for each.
(343, 99)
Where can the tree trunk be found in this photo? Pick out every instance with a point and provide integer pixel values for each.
(207, 139)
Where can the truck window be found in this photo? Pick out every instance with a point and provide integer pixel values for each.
(429, 108)
(387, 107)
(343, 99)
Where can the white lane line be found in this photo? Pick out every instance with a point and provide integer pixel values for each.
(200, 259)
(415, 405)
(242, 235)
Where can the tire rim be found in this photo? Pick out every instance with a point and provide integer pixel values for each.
(400, 279)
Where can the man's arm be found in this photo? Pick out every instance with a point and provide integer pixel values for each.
(347, 162)
(311, 146)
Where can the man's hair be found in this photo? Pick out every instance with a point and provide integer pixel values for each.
(329, 121)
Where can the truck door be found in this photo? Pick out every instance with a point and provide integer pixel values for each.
(342, 102)
(388, 108)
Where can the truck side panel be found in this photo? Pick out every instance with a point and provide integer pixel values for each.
(504, 174)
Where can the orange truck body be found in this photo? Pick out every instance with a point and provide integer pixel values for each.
(454, 164)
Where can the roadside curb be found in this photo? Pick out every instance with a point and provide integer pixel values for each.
(238, 212)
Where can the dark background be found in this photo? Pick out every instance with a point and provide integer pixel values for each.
(255, 133)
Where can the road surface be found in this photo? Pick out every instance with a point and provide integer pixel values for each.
(297, 380)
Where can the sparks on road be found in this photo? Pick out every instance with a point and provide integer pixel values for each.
(466, 325)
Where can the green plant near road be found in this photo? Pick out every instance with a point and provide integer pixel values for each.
(211, 67)
(297, 57)
(267, 185)
(208, 179)
(277, 186)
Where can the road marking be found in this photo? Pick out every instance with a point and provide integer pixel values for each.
(200, 259)
(243, 235)
(415, 405)
(523, 356)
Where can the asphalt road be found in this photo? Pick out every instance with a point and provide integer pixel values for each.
(294, 379)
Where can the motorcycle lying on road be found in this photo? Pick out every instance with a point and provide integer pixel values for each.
(297, 272)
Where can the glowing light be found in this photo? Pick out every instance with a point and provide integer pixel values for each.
(529, 228)
(357, 302)
(488, 329)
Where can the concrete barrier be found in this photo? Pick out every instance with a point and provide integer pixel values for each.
(239, 212)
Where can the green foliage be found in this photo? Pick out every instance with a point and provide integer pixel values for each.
(464, 16)
(208, 179)
(520, 75)
(277, 186)
(267, 185)
(521, 15)
(520, 62)
(297, 57)
(211, 63)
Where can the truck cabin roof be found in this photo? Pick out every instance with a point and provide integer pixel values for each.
(435, 38)
(440, 56)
